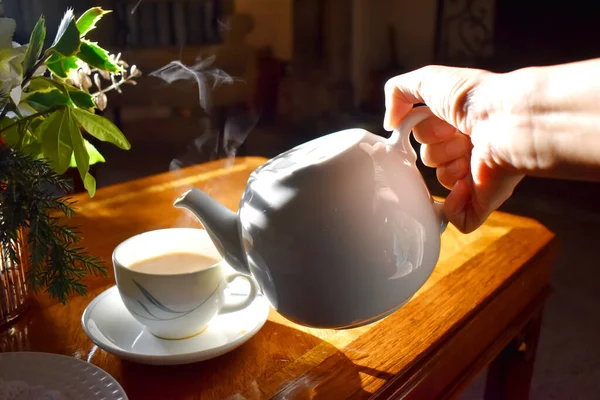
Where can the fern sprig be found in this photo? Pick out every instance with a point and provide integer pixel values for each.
(32, 200)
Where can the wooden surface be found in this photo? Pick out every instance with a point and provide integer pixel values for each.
(485, 293)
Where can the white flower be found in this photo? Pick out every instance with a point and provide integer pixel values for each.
(11, 69)
(8, 26)
(84, 67)
(73, 78)
(16, 93)
(101, 101)
(11, 59)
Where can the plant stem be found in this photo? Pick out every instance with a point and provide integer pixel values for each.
(4, 112)
(6, 108)
(26, 80)
(35, 68)
(33, 116)
(113, 86)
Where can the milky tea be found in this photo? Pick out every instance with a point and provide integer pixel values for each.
(174, 263)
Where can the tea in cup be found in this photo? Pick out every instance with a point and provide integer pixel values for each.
(173, 280)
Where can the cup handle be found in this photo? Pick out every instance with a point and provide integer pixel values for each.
(239, 305)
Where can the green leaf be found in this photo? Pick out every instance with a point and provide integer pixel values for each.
(43, 93)
(95, 156)
(82, 158)
(55, 133)
(96, 57)
(61, 66)
(17, 133)
(80, 98)
(13, 107)
(43, 84)
(42, 101)
(89, 182)
(34, 149)
(25, 109)
(36, 42)
(11, 135)
(87, 21)
(67, 39)
(101, 128)
(36, 122)
(70, 94)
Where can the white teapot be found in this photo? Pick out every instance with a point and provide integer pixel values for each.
(338, 232)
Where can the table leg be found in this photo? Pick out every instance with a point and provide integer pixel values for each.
(509, 375)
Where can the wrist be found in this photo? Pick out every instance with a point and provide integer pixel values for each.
(555, 111)
(511, 96)
(516, 94)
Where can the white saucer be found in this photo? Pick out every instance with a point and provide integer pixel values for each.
(48, 375)
(111, 327)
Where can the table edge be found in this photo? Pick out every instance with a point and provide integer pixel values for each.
(549, 250)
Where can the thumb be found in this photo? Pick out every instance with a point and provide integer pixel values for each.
(447, 91)
(492, 185)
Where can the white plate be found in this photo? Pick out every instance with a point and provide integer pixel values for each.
(111, 327)
(71, 377)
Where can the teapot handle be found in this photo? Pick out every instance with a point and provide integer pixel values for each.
(400, 140)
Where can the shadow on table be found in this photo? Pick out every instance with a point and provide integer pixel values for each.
(261, 368)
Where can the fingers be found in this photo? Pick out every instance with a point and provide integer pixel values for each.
(462, 209)
(433, 130)
(434, 155)
(446, 90)
(456, 204)
(448, 174)
(469, 204)
(399, 100)
(444, 147)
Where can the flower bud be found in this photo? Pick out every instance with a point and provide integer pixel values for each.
(86, 82)
(101, 101)
(97, 81)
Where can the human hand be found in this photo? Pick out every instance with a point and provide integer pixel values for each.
(476, 147)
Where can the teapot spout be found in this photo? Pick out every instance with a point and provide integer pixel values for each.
(221, 224)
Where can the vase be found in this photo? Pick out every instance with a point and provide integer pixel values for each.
(13, 287)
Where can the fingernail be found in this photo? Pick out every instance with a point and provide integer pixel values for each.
(455, 148)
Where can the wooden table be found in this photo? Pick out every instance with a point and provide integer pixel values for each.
(481, 307)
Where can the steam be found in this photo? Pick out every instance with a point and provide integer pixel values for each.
(177, 71)
(236, 131)
(219, 136)
(214, 140)
(134, 9)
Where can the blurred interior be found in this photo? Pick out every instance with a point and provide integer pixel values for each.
(300, 69)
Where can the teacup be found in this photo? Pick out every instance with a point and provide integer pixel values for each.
(173, 280)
